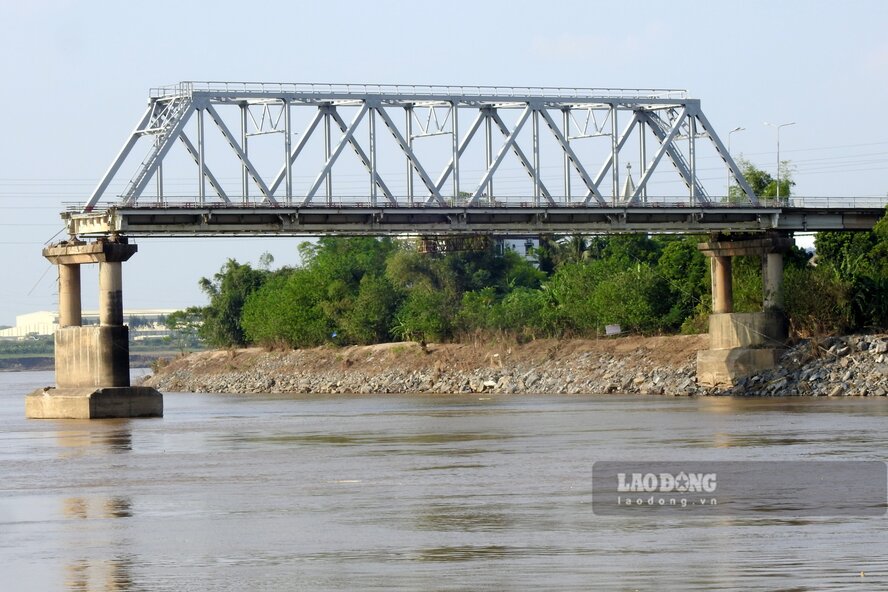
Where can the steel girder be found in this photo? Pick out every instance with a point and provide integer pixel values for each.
(280, 220)
(661, 118)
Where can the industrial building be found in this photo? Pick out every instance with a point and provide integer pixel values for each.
(143, 323)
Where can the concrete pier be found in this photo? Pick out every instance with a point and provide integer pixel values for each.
(772, 280)
(743, 343)
(69, 295)
(722, 285)
(110, 293)
(92, 362)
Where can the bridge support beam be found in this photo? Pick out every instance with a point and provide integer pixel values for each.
(92, 362)
(743, 343)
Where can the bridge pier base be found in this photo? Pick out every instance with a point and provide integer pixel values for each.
(741, 344)
(92, 362)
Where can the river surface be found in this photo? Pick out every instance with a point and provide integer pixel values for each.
(262, 492)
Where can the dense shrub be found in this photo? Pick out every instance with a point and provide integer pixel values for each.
(364, 290)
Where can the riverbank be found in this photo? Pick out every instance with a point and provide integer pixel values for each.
(32, 363)
(664, 365)
(27, 363)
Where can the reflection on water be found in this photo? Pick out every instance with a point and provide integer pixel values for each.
(366, 438)
(90, 574)
(463, 553)
(342, 493)
(77, 437)
(111, 575)
(97, 507)
(449, 517)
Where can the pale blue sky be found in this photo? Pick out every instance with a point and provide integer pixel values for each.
(76, 76)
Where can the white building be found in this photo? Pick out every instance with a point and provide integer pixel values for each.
(143, 323)
(523, 245)
(42, 322)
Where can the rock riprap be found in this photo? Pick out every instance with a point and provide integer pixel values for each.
(839, 366)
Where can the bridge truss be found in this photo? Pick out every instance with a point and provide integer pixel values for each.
(662, 125)
(273, 159)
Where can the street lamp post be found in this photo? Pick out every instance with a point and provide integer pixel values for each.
(728, 185)
(778, 126)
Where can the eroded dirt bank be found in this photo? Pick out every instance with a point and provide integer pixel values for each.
(664, 365)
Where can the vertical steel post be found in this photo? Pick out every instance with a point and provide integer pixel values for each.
(642, 148)
(245, 173)
(565, 112)
(328, 150)
(287, 147)
(408, 111)
(488, 152)
(536, 157)
(692, 155)
(454, 115)
(372, 115)
(159, 178)
(201, 164)
(616, 156)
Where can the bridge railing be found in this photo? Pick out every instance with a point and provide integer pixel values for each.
(659, 202)
(835, 202)
(270, 88)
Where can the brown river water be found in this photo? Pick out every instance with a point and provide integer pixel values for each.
(262, 492)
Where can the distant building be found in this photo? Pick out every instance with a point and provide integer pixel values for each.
(143, 323)
(523, 245)
(41, 322)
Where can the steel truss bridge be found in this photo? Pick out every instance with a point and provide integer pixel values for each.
(240, 188)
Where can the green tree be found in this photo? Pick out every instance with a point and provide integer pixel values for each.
(184, 327)
(523, 312)
(568, 292)
(426, 315)
(849, 253)
(860, 259)
(636, 299)
(761, 182)
(817, 301)
(685, 268)
(288, 310)
(372, 314)
(228, 290)
(478, 311)
(625, 251)
(266, 259)
(747, 283)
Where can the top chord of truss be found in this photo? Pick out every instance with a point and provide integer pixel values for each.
(413, 92)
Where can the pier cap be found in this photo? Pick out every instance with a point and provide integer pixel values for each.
(74, 252)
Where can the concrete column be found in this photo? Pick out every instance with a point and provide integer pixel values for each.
(772, 280)
(110, 293)
(712, 288)
(69, 295)
(722, 284)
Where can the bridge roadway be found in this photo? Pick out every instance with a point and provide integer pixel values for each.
(189, 219)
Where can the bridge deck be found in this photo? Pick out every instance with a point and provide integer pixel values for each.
(354, 219)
